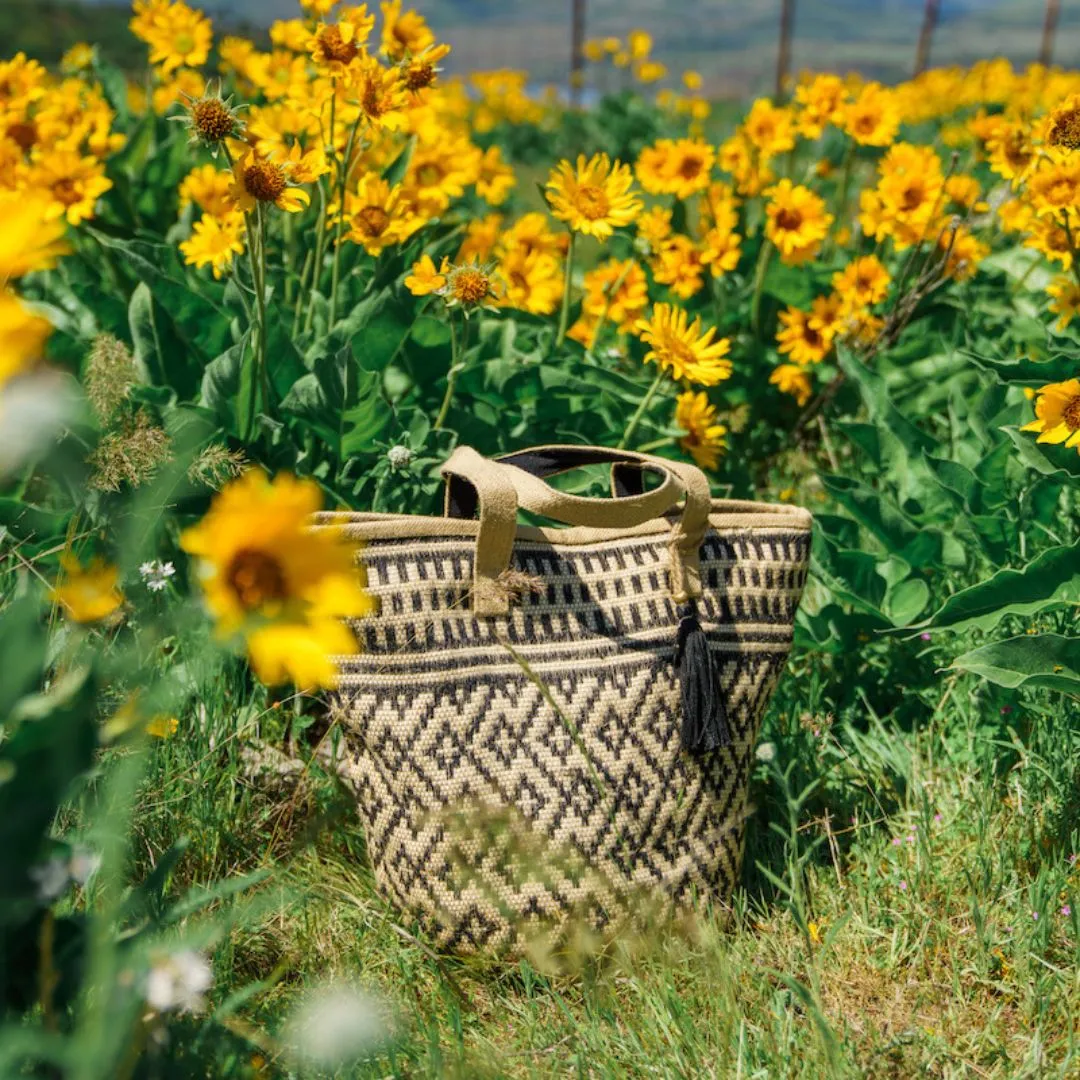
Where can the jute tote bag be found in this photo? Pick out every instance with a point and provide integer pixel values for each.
(556, 724)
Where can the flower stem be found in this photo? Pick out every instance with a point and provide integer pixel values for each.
(344, 165)
(257, 261)
(564, 315)
(764, 256)
(451, 376)
(645, 402)
(609, 295)
(320, 245)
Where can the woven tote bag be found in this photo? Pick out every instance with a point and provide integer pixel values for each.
(548, 725)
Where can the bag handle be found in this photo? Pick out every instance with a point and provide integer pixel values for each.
(499, 487)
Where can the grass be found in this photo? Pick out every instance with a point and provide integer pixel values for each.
(903, 911)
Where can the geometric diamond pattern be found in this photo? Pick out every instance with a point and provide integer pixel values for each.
(503, 794)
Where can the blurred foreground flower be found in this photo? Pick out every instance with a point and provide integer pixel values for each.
(178, 982)
(337, 1025)
(272, 581)
(33, 409)
(87, 594)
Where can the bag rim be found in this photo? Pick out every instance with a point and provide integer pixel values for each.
(727, 515)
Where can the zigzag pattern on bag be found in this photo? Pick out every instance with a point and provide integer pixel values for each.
(515, 772)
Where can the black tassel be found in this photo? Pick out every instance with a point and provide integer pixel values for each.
(704, 725)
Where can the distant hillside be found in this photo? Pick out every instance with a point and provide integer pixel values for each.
(732, 42)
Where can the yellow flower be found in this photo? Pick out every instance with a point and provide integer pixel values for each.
(162, 727)
(965, 252)
(1009, 150)
(862, 283)
(335, 47)
(640, 44)
(533, 281)
(481, 236)
(1057, 413)
(678, 167)
(793, 380)
(425, 279)
(22, 336)
(210, 119)
(208, 188)
(721, 250)
(269, 578)
(1063, 130)
(378, 216)
(596, 198)
(654, 227)
(683, 348)
(872, 119)
(769, 128)
(704, 438)
(1065, 302)
(650, 71)
(87, 594)
(31, 238)
(177, 35)
(381, 94)
(420, 72)
(679, 265)
(496, 179)
(806, 339)
(74, 184)
(964, 190)
(797, 221)
(1015, 216)
(403, 33)
(214, 241)
(319, 8)
(80, 57)
(821, 100)
(692, 80)
(260, 180)
(616, 290)
(1055, 190)
(470, 285)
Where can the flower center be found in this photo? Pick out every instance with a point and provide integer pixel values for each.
(789, 220)
(690, 168)
(335, 48)
(23, 133)
(419, 76)
(470, 286)
(374, 220)
(265, 181)
(1071, 414)
(592, 202)
(429, 175)
(1066, 130)
(66, 191)
(212, 119)
(256, 578)
(185, 43)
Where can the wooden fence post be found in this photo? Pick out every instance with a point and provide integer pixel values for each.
(1046, 52)
(577, 50)
(926, 35)
(783, 55)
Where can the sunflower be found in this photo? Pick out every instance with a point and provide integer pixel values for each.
(378, 216)
(679, 266)
(1065, 300)
(873, 118)
(481, 236)
(1057, 413)
(271, 580)
(74, 184)
(616, 290)
(471, 285)
(791, 379)
(1063, 128)
(87, 594)
(210, 120)
(821, 102)
(705, 438)
(209, 188)
(30, 237)
(418, 73)
(862, 283)
(770, 129)
(533, 281)
(720, 250)
(178, 36)
(214, 241)
(22, 336)
(531, 233)
(595, 198)
(336, 47)
(496, 179)
(807, 339)
(797, 221)
(683, 348)
(381, 94)
(1055, 190)
(425, 279)
(653, 228)
(403, 33)
(963, 250)
(679, 167)
(260, 181)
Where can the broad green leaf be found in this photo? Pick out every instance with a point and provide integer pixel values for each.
(1037, 661)
(906, 601)
(395, 172)
(788, 284)
(1024, 371)
(1056, 461)
(1052, 577)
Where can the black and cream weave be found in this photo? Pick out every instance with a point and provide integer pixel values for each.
(518, 770)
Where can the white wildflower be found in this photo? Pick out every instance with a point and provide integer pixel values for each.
(400, 457)
(337, 1024)
(766, 752)
(178, 981)
(156, 574)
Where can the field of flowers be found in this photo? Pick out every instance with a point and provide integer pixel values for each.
(246, 284)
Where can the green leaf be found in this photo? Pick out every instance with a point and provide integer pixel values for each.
(788, 284)
(1056, 461)
(906, 601)
(430, 333)
(1052, 577)
(1036, 661)
(223, 386)
(395, 172)
(1024, 371)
